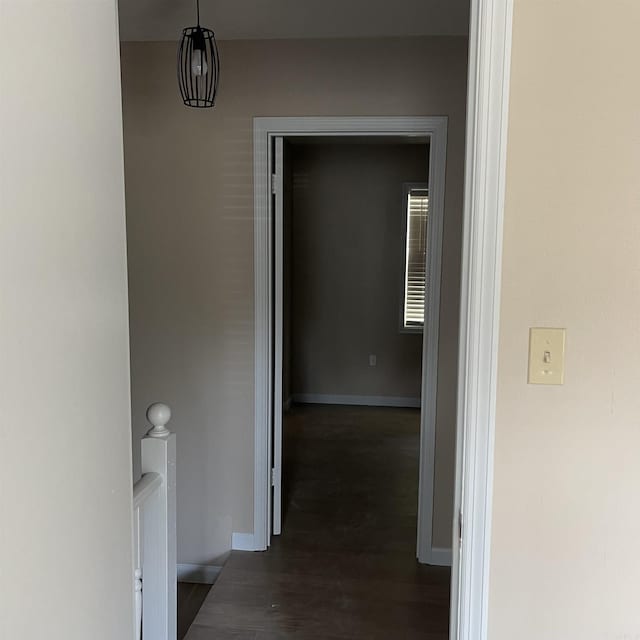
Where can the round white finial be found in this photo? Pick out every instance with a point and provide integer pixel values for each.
(158, 414)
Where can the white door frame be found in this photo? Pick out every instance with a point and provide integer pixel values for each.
(486, 148)
(486, 143)
(265, 130)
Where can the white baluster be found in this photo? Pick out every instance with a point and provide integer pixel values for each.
(137, 586)
(137, 574)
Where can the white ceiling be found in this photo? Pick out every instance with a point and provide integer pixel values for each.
(257, 19)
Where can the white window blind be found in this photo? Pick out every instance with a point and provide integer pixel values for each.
(417, 202)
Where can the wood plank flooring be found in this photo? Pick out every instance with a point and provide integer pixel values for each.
(345, 564)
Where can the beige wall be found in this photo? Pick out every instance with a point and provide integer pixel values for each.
(566, 516)
(189, 177)
(65, 437)
(347, 269)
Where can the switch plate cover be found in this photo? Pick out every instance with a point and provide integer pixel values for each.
(546, 355)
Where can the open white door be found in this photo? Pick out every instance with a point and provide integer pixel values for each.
(277, 200)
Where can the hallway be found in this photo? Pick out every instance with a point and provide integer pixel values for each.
(345, 564)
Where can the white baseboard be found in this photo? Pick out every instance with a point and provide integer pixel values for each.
(243, 542)
(440, 557)
(365, 401)
(198, 573)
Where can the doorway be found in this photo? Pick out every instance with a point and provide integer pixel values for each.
(352, 213)
(269, 134)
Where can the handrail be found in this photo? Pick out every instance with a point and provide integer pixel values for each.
(145, 487)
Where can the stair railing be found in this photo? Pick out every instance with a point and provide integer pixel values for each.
(154, 531)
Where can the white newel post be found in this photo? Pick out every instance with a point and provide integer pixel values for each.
(159, 580)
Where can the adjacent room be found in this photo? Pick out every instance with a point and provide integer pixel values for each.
(351, 355)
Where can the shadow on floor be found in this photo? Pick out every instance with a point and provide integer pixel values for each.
(190, 599)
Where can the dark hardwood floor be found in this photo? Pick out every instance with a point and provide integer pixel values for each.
(345, 564)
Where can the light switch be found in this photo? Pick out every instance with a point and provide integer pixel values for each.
(546, 355)
(373, 360)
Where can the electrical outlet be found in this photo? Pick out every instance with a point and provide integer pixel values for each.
(373, 360)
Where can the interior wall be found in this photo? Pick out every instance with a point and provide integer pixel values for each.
(348, 261)
(564, 558)
(65, 437)
(189, 180)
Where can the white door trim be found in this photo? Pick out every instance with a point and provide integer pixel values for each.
(486, 148)
(278, 332)
(264, 130)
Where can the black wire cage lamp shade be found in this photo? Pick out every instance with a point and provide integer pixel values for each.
(198, 66)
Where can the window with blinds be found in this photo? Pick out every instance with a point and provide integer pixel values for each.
(417, 211)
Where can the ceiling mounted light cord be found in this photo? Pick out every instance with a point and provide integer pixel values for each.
(198, 65)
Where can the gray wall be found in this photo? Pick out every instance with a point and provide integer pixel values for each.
(65, 437)
(189, 179)
(347, 269)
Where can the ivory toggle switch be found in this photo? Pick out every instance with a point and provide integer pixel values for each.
(546, 356)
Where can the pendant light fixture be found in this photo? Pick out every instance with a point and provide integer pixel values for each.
(198, 66)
